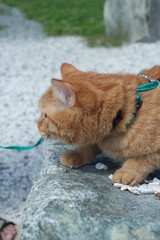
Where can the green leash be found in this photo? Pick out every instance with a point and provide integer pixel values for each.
(142, 88)
(24, 148)
(153, 83)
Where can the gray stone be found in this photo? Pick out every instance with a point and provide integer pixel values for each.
(79, 204)
(132, 21)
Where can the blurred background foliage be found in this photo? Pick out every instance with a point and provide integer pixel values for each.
(65, 17)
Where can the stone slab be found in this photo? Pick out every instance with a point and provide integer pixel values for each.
(82, 204)
(132, 21)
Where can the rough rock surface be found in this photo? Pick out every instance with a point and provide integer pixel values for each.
(82, 204)
(132, 21)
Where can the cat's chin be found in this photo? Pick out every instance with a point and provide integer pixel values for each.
(44, 135)
(47, 135)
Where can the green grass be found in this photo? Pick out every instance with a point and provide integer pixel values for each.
(2, 27)
(68, 17)
(65, 17)
(1, 11)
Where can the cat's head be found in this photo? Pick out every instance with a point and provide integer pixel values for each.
(73, 108)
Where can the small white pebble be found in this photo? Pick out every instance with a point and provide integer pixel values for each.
(156, 180)
(147, 181)
(153, 184)
(101, 166)
(124, 188)
(146, 191)
(134, 190)
(110, 176)
(143, 187)
(156, 188)
(118, 185)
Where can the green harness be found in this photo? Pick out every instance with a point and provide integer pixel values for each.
(153, 83)
(142, 88)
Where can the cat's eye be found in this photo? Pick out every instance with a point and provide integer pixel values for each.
(45, 115)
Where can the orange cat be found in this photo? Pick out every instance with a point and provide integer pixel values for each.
(94, 112)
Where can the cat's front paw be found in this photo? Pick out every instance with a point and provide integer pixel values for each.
(128, 177)
(71, 159)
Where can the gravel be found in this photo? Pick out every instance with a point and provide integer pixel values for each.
(101, 166)
(28, 60)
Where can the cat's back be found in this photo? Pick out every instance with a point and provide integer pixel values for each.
(142, 136)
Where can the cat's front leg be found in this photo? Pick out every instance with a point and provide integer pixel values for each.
(80, 156)
(134, 171)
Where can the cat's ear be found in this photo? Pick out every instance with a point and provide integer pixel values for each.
(66, 69)
(64, 92)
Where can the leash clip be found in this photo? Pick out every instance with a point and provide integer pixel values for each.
(158, 83)
(150, 79)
